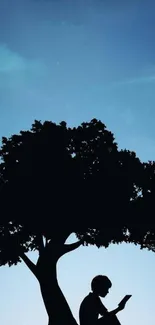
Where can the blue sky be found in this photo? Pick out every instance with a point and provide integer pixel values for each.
(75, 60)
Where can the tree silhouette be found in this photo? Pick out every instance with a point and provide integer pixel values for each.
(55, 181)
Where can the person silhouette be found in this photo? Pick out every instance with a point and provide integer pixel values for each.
(91, 307)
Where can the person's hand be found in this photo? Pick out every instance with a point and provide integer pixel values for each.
(121, 306)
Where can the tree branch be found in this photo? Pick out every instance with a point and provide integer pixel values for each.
(70, 247)
(60, 237)
(46, 241)
(58, 240)
(40, 243)
(29, 264)
(55, 249)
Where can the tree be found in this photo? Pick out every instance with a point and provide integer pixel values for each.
(57, 180)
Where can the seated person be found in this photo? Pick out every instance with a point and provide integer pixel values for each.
(91, 307)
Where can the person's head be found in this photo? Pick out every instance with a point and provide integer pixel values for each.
(100, 285)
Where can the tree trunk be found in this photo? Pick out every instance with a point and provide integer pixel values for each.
(56, 305)
(45, 271)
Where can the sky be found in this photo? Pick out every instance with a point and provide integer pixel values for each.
(73, 61)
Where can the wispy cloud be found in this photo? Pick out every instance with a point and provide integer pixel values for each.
(18, 72)
(140, 80)
(12, 62)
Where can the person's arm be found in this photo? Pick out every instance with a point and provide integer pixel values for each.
(114, 312)
(103, 311)
(119, 308)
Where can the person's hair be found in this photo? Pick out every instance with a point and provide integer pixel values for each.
(98, 281)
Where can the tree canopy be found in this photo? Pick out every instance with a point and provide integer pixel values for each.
(56, 180)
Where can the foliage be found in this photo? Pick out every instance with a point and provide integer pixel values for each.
(56, 180)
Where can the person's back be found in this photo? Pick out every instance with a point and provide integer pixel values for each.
(90, 309)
